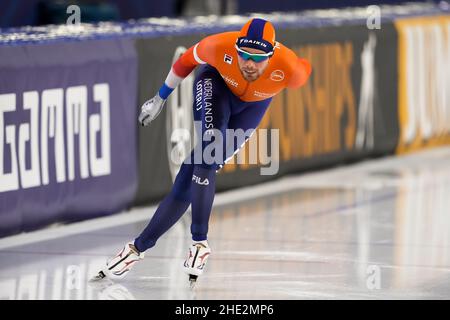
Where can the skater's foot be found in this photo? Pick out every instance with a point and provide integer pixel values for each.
(195, 263)
(119, 266)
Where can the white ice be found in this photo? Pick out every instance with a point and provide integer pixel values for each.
(379, 229)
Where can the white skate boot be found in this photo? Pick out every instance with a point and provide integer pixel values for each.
(196, 260)
(118, 267)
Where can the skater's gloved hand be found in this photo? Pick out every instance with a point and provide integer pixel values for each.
(150, 110)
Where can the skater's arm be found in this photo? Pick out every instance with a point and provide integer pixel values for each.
(300, 74)
(183, 67)
(180, 70)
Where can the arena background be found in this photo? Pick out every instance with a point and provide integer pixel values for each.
(50, 177)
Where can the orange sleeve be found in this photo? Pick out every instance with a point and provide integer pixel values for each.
(186, 63)
(200, 53)
(206, 50)
(300, 74)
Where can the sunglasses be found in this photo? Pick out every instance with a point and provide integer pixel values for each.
(257, 57)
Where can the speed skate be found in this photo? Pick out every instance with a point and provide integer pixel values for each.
(195, 263)
(119, 266)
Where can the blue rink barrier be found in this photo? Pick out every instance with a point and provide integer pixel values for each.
(68, 132)
(158, 27)
(70, 145)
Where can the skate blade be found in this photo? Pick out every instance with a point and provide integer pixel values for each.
(192, 281)
(100, 276)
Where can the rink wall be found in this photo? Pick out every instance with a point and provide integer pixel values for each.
(71, 148)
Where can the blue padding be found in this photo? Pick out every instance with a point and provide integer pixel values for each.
(158, 27)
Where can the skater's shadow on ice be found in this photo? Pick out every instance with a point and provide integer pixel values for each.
(108, 290)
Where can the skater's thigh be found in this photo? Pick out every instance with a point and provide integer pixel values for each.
(181, 189)
(243, 124)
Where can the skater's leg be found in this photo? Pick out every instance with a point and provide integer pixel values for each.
(212, 109)
(178, 200)
(245, 117)
(203, 190)
(169, 211)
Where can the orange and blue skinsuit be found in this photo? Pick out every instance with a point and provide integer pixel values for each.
(223, 100)
(285, 69)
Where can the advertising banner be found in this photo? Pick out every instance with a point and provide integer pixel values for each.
(424, 82)
(67, 132)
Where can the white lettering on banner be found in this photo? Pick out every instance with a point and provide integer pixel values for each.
(365, 135)
(425, 81)
(52, 103)
(100, 165)
(76, 123)
(416, 85)
(29, 132)
(8, 181)
(51, 125)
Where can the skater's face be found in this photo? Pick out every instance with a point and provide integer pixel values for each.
(251, 69)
